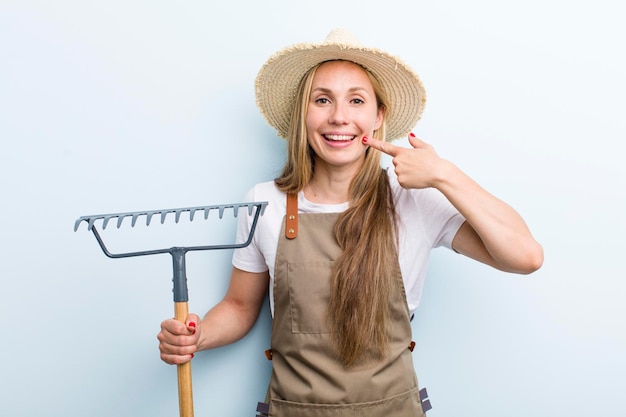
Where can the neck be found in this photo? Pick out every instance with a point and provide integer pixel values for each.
(330, 185)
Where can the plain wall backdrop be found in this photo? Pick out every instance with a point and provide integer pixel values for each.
(122, 106)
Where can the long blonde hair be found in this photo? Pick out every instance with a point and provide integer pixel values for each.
(363, 275)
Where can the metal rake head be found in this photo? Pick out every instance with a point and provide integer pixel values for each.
(254, 208)
(134, 215)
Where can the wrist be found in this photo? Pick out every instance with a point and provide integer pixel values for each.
(443, 175)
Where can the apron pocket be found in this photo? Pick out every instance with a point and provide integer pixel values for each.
(403, 405)
(309, 294)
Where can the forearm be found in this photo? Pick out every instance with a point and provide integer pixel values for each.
(505, 237)
(224, 324)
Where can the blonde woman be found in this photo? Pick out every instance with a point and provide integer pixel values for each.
(343, 244)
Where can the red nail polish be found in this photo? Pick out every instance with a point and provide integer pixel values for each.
(412, 134)
(192, 355)
(192, 324)
(364, 140)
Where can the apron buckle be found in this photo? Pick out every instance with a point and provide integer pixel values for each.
(263, 409)
(424, 400)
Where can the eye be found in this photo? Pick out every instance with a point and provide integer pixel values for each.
(322, 100)
(357, 101)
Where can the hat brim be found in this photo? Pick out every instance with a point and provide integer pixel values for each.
(277, 82)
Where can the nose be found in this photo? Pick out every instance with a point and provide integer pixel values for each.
(338, 115)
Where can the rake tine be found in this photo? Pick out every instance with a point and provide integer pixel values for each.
(134, 220)
(178, 212)
(149, 217)
(120, 219)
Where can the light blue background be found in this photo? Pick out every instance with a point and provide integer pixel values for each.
(132, 105)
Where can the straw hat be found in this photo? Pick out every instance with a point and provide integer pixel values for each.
(278, 80)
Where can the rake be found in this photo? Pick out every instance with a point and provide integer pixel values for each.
(181, 296)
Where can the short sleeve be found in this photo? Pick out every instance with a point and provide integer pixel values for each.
(249, 258)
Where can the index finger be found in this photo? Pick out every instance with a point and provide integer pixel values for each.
(384, 147)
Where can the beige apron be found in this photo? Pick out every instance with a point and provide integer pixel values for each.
(307, 378)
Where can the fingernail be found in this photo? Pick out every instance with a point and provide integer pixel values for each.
(412, 134)
(365, 139)
(192, 355)
(192, 324)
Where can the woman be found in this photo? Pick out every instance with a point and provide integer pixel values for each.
(343, 244)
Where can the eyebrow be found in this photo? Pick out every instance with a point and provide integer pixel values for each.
(350, 90)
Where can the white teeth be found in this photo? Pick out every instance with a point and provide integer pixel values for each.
(339, 137)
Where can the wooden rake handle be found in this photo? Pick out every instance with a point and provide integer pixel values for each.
(185, 392)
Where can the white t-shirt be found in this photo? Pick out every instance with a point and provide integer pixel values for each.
(426, 220)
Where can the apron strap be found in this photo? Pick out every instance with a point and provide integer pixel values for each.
(291, 229)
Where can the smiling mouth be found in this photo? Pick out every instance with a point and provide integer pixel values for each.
(339, 138)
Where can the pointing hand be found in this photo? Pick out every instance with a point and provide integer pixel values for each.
(415, 167)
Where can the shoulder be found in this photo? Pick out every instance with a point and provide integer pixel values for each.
(265, 191)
